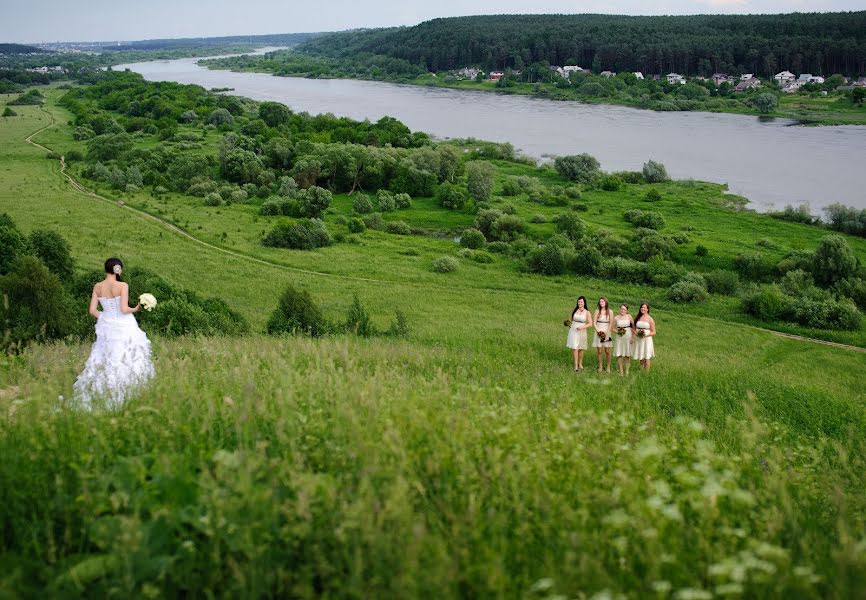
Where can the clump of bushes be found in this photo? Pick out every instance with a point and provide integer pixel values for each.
(445, 264)
(451, 196)
(691, 288)
(644, 218)
(810, 307)
(582, 168)
(722, 281)
(472, 238)
(398, 228)
(655, 172)
(296, 312)
(362, 204)
(652, 195)
(305, 234)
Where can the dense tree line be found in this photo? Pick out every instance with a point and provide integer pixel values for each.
(691, 45)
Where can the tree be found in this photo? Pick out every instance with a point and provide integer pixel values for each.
(12, 245)
(581, 168)
(242, 166)
(220, 117)
(296, 312)
(833, 260)
(314, 201)
(765, 103)
(451, 196)
(8, 112)
(110, 146)
(479, 180)
(274, 114)
(858, 95)
(655, 172)
(54, 252)
(571, 225)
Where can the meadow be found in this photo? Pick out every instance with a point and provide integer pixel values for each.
(467, 460)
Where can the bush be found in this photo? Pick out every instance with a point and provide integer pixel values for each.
(547, 260)
(475, 255)
(385, 201)
(511, 187)
(701, 251)
(654, 245)
(686, 291)
(797, 282)
(752, 266)
(50, 247)
(800, 214)
(624, 270)
(451, 196)
(272, 207)
(296, 313)
(445, 264)
(680, 238)
(356, 225)
(586, 261)
(305, 234)
(74, 155)
(765, 302)
(314, 201)
(12, 245)
(796, 259)
(582, 168)
(722, 281)
(484, 221)
(538, 219)
(403, 200)
(610, 183)
(399, 326)
(507, 228)
(853, 288)
(655, 172)
(608, 243)
(34, 307)
(498, 247)
(358, 319)
(652, 195)
(398, 228)
(662, 272)
(374, 221)
(213, 199)
(472, 238)
(479, 180)
(833, 260)
(362, 204)
(571, 225)
(644, 218)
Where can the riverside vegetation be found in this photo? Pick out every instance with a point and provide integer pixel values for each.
(262, 466)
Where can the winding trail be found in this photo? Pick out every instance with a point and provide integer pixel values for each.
(180, 232)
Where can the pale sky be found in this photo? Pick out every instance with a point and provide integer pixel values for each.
(109, 20)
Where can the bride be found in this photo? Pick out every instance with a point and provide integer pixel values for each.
(120, 358)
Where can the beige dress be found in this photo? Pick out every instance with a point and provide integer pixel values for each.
(643, 346)
(602, 323)
(622, 343)
(577, 337)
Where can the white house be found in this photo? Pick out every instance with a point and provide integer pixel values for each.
(639, 75)
(746, 76)
(784, 78)
(607, 74)
(567, 70)
(809, 78)
(674, 78)
(790, 88)
(468, 73)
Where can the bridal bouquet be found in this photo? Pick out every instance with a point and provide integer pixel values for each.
(148, 302)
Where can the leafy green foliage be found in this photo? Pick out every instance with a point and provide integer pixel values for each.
(296, 312)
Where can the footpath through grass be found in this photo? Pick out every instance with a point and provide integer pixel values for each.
(465, 461)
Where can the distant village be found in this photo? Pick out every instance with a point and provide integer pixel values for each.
(786, 81)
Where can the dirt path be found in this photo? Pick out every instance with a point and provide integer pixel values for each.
(178, 231)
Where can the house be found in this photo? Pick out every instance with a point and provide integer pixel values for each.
(468, 73)
(750, 83)
(860, 82)
(809, 78)
(569, 69)
(718, 78)
(675, 78)
(845, 88)
(607, 74)
(495, 75)
(790, 88)
(639, 75)
(746, 76)
(784, 78)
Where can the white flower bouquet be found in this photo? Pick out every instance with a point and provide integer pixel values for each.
(148, 302)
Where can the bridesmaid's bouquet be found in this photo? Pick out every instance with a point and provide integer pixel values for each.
(602, 335)
(620, 330)
(148, 302)
(567, 322)
(641, 333)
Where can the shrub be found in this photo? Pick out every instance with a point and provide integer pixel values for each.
(484, 221)
(686, 291)
(654, 245)
(509, 209)
(765, 302)
(12, 245)
(288, 187)
(662, 272)
(610, 183)
(652, 195)
(680, 238)
(797, 282)
(624, 270)
(655, 172)
(507, 228)
(213, 199)
(701, 251)
(579, 206)
(498, 247)
(445, 264)
(362, 204)
(305, 234)
(547, 260)
(582, 168)
(451, 196)
(586, 261)
(50, 247)
(847, 219)
(511, 187)
(800, 214)
(296, 312)
(722, 281)
(796, 259)
(398, 228)
(608, 243)
(403, 200)
(538, 219)
(358, 319)
(571, 225)
(853, 288)
(74, 155)
(472, 238)
(385, 201)
(573, 193)
(374, 221)
(314, 201)
(752, 266)
(356, 225)
(399, 326)
(644, 218)
(272, 207)
(479, 180)
(34, 306)
(833, 260)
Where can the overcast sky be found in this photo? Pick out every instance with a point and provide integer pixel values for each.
(61, 20)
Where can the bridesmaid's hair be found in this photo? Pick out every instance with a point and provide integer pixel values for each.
(642, 304)
(577, 305)
(606, 306)
(110, 264)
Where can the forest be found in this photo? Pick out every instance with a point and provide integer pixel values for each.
(821, 43)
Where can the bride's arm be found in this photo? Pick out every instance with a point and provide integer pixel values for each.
(94, 304)
(124, 302)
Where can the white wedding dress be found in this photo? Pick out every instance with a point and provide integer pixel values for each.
(119, 361)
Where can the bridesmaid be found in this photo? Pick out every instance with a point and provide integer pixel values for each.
(603, 317)
(643, 345)
(581, 320)
(622, 345)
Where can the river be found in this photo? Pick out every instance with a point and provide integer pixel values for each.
(770, 162)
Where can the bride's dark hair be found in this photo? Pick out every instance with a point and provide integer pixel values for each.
(110, 264)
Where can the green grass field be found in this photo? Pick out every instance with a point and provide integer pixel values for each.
(467, 460)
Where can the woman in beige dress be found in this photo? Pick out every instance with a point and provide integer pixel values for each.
(623, 343)
(645, 330)
(602, 340)
(581, 320)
